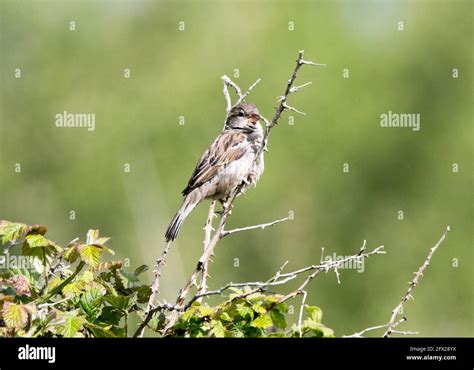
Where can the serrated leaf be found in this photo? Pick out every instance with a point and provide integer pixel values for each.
(273, 298)
(14, 315)
(110, 315)
(87, 276)
(102, 240)
(254, 297)
(128, 279)
(21, 285)
(143, 293)
(188, 313)
(205, 311)
(140, 270)
(90, 303)
(262, 322)
(71, 254)
(258, 308)
(218, 330)
(225, 317)
(90, 254)
(122, 303)
(104, 248)
(279, 319)
(37, 240)
(245, 311)
(319, 330)
(73, 288)
(314, 313)
(72, 324)
(11, 232)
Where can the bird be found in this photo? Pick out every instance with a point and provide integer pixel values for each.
(229, 161)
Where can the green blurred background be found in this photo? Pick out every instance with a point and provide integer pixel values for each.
(177, 73)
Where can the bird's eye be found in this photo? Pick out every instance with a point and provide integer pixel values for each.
(241, 114)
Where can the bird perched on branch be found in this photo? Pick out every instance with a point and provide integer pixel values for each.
(229, 161)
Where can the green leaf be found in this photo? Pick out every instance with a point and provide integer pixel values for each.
(73, 288)
(87, 276)
(140, 270)
(128, 279)
(90, 254)
(225, 317)
(314, 313)
(37, 240)
(71, 254)
(90, 302)
(117, 301)
(218, 330)
(279, 319)
(72, 324)
(157, 321)
(102, 240)
(262, 322)
(122, 303)
(319, 330)
(254, 298)
(11, 232)
(104, 331)
(245, 311)
(110, 315)
(205, 310)
(14, 315)
(188, 314)
(258, 308)
(143, 293)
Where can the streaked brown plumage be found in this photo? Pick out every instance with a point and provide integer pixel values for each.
(225, 164)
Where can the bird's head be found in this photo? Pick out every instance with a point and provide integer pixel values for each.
(243, 116)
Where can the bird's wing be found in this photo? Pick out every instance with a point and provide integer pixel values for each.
(229, 146)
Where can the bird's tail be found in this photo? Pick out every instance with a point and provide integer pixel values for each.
(177, 222)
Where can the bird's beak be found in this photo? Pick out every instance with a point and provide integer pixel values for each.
(254, 117)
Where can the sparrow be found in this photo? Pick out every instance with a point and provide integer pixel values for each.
(229, 161)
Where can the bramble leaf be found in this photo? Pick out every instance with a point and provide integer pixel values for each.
(14, 315)
(262, 322)
(90, 254)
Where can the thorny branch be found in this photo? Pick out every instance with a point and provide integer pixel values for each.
(207, 238)
(398, 309)
(155, 286)
(393, 322)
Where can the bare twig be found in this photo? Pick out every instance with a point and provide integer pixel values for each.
(300, 316)
(361, 333)
(228, 100)
(325, 267)
(286, 106)
(242, 98)
(229, 82)
(261, 226)
(207, 238)
(156, 284)
(398, 309)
